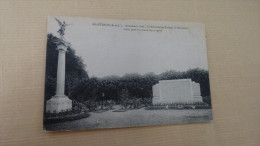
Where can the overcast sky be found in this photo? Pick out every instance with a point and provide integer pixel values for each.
(111, 50)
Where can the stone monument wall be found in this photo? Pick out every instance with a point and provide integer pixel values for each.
(176, 91)
(156, 90)
(196, 89)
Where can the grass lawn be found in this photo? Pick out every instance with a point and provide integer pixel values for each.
(137, 117)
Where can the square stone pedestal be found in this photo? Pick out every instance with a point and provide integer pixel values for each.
(58, 104)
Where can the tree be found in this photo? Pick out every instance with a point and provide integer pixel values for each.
(200, 76)
(72, 82)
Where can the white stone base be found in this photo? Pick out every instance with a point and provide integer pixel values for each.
(58, 104)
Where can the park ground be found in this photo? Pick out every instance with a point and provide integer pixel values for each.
(135, 117)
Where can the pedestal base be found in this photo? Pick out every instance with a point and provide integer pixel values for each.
(58, 104)
(158, 100)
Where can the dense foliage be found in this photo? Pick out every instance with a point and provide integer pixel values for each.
(132, 86)
(128, 88)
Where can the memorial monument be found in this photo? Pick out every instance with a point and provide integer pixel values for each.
(176, 91)
(60, 102)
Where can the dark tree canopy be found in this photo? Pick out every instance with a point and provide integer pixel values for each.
(140, 86)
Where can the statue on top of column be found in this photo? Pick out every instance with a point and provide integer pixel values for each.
(63, 25)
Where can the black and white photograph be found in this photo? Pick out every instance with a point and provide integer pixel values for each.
(108, 73)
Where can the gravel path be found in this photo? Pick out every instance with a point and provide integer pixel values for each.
(136, 117)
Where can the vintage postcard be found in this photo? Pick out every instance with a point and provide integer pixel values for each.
(104, 73)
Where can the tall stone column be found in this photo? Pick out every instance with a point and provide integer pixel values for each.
(60, 102)
(61, 71)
